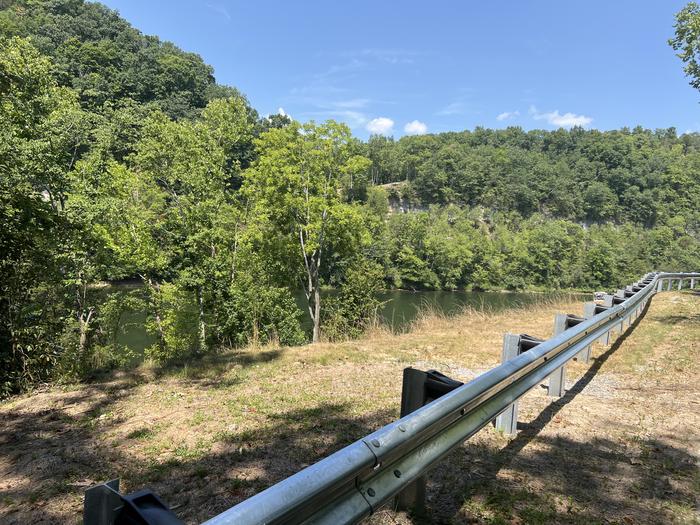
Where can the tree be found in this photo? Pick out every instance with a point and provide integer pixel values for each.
(687, 41)
(296, 187)
(41, 135)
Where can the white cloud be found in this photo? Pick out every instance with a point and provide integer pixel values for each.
(391, 56)
(567, 120)
(221, 10)
(415, 127)
(280, 111)
(507, 115)
(380, 126)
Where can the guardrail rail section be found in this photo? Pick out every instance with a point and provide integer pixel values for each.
(437, 415)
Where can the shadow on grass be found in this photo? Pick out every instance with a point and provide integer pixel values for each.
(50, 453)
(468, 488)
(242, 464)
(56, 451)
(52, 457)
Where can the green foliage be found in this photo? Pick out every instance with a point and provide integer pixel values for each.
(349, 313)
(453, 248)
(639, 176)
(98, 54)
(256, 312)
(34, 132)
(121, 158)
(173, 322)
(300, 185)
(103, 350)
(687, 41)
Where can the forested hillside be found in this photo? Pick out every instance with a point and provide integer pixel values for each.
(638, 176)
(122, 158)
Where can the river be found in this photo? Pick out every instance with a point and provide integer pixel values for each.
(398, 311)
(401, 307)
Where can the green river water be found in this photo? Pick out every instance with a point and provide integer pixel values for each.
(399, 309)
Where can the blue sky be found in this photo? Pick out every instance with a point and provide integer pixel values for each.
(417, 66)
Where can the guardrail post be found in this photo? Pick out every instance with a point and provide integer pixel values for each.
(680, 283)
(507, 421)
(692, 283)
(585, 354)
(660, 285)
(105, 505)
(101, 503)
(557, 381)
(670, 284)
(609, 301)
(413, 397)
(589, 310)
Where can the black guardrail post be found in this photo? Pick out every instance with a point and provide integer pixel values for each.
(105, 505)
(418, 389)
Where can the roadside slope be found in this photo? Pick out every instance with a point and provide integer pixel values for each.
(620, 446)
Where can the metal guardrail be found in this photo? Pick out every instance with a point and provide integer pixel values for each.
(359, 479)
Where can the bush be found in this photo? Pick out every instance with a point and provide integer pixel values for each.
(256, 313)
(177, 325)
(349, 313)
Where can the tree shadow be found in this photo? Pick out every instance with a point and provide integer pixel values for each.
(245, 463)
(502, 485)
(52, 452)
(676, 319)
(53, 457)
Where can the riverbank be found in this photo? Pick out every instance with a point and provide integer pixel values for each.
(619, 447)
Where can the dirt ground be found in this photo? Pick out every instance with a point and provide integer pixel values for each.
(621, 446)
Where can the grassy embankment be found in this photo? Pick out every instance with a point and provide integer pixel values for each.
(620, 447)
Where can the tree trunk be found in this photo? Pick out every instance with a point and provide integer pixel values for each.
(154, 296)
(202, 326)
(312, 263)
(317, 313)
(83, 335)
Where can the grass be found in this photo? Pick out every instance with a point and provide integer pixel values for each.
(210, 434)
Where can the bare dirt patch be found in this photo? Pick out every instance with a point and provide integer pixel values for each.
(620, 447)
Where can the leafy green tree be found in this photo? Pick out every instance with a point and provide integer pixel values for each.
(105, 60)
(296, 187)
(41, 132)
(687, 41)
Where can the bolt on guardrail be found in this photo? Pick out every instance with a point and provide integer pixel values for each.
(437, 415)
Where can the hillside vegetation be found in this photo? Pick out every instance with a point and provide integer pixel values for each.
(122, 158)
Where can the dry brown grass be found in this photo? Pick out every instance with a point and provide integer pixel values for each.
(217, 431)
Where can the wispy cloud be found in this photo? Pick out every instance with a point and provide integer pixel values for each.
(353, 103)
(507, 115)
(220, 9)
(328, 93)
(344, 69)
(390, 56)
(455, 108)
(380, 126)
(415, 127)
(554, 118)
(354, 119)
(348, 110)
